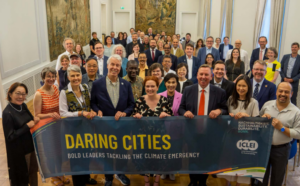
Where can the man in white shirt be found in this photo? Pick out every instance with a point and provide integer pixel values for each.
(167, 63)
(286, 123)
(142, 35)
(101, 59)
(243, 54)
(68, 44)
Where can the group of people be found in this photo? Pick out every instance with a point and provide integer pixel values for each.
(176, 80)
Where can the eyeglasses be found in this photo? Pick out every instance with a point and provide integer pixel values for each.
(257, 69)
(209, 41)
(20, 94)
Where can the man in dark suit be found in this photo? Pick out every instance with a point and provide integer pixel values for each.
(210, 100)
(150, 33)
(105, 103)
(152, 53)
(219, 80)
(263, 90)
(129, 49)
(259, 53)
(224, 47)
(101, 59)
(290, 70)
(192, 62)
(113, 39)
(167, 49)
(208, 50)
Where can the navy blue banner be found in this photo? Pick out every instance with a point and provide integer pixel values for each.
(74, 146)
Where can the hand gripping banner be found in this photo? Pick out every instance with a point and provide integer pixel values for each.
(223, 146)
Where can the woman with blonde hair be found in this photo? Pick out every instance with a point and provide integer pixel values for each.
(160, 46)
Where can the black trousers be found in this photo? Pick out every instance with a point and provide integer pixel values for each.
(294, 96)
(278, 161)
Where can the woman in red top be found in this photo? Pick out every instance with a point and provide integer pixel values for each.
(46, 105)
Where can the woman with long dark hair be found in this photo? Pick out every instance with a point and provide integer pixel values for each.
(234, 66)
(122, 39)
(240, 103)
(108, 46)
(199, 44)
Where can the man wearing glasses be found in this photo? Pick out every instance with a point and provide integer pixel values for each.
(263, 90)
(208, 50)
(167, 49)
(243, 54)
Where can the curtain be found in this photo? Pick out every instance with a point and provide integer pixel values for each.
(226, 17)
(205, 6)
(277, 9)
(258, 20)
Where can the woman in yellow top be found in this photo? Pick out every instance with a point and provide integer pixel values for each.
(273, 66)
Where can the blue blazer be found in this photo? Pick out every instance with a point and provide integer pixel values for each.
(105, 70)
(255, 56)
(266, 93)
(189, 100)
(196, 65)
(174, 61)
(149, 57)
(202, 54)
(100, 99)
(221, 50)
(296, 70)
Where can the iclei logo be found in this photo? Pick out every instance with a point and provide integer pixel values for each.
(247, 145)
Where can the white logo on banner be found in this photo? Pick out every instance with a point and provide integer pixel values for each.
(247, 145)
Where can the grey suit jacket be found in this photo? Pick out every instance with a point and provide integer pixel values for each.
(184, 43)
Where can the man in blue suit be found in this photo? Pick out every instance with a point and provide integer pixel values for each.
(152, 53)
(112, 96)
(208, 50)
(263, 90)
(259, 53)
(113, 39)
(290, 70)
(101, 59)
(194, 102)
(192, 62)
(167, 49)
(224, 47)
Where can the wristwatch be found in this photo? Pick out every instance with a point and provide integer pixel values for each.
(282, 129)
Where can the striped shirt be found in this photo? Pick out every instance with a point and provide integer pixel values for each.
(50, 103)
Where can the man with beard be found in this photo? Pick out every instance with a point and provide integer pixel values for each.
(219, 80)
(263, 90)
(167, 49)
(146, 43)
(133, 78)
(286, 123)
(129, 49)
(143, 67)
(152, 53)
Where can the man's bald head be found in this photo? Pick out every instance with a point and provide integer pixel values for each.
(175, 43)
(238, 44)
(284, 93)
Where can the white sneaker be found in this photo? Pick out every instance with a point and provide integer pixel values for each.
(163, 176)
(172, 177)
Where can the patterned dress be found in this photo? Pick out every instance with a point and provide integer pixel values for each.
(151, 128)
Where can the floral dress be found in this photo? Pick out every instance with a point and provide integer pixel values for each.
(149, 127)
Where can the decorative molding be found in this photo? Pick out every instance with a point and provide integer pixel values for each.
(121, 11)
(180, 20)
(42, 42)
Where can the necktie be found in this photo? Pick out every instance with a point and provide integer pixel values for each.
(153, 55)
(255, 91)
(201, 104)
(260, 55)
